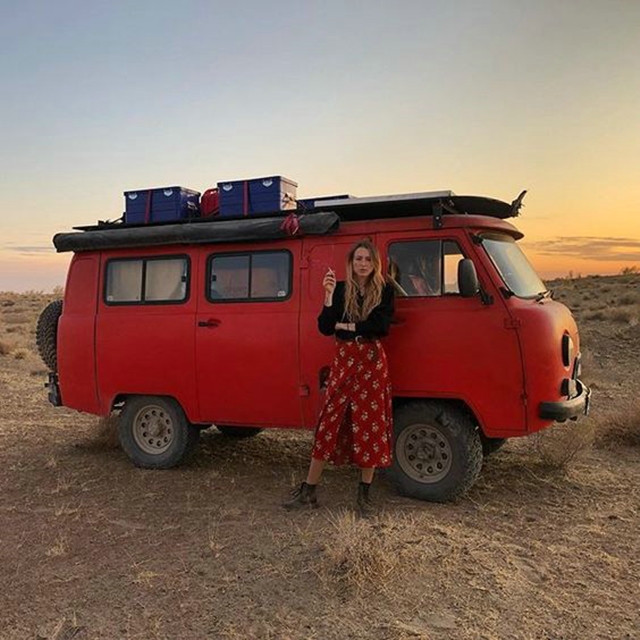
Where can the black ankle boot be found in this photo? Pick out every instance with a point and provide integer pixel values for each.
(363, 501)
(303, 496)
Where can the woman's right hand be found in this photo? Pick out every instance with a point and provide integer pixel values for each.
(329, 282)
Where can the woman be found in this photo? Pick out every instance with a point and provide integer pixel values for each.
(355, 422)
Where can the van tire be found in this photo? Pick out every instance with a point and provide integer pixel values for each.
(239, 432)
(437, 451)
(47, 334)
(155, 433)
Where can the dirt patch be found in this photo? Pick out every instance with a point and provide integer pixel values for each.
(92, 547)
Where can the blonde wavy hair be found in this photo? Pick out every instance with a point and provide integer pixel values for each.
(354, 310)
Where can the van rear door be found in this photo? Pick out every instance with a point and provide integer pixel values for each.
(76, 333)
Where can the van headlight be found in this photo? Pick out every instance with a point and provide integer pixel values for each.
(568, 350)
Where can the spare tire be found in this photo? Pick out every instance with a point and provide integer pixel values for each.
(47, 334)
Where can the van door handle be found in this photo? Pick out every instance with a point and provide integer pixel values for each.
(211, 322)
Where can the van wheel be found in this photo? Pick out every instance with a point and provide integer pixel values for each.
(155, 433)
(438, 453)
(47, 334)
(239, 432)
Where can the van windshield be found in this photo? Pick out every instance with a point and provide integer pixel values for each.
(513, 266)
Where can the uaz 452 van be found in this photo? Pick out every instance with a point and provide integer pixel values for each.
(180, 326)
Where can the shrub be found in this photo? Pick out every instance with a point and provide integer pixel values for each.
(561, 444)
(627, 299)
(5, 348)
(621, 315)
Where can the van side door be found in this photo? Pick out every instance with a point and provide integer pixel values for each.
(317, 351)
(247, 347)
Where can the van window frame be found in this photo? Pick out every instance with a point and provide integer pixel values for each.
(142, 302)
(249, 252)
(441, 240)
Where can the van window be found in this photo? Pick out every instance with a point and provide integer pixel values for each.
(451, 256)
(260, 275)
(146, 280)
(513, 266)
(424, 268)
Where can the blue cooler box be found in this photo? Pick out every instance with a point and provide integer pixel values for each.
(163, 204)
(256, 196)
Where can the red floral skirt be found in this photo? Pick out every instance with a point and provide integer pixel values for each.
(355, 422)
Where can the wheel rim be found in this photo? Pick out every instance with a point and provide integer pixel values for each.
(153, 429)
(424, 453)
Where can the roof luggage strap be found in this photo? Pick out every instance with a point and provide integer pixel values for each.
(436, 210)
(147, 210)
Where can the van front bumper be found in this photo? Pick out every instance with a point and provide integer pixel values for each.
(568, 409)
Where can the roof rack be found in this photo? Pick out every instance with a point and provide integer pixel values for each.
(315, 220)
(431, 203)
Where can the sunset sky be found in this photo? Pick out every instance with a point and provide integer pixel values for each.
(363, 97)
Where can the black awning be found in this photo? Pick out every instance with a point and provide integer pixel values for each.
(250, 229)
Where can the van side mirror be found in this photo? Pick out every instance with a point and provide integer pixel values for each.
(467, 278)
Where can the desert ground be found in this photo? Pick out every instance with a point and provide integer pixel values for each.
(546, 544)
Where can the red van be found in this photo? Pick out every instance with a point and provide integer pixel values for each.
(181, 326)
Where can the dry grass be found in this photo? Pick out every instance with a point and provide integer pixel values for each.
(5, 348)
(620, 428)
(107, 431)
(16, 328)
(62, 629)
(60, 548)
(16, 318)
(359, 553)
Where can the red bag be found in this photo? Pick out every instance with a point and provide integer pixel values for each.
(291, 224)
(210, 203)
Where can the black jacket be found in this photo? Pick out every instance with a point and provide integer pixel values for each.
(375, 326)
